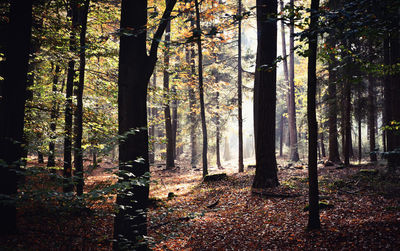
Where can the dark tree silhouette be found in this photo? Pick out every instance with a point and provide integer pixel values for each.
(135, 70)
(265, 96)
(313, 219)
(12, 108)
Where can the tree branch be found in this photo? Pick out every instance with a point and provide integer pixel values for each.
(160, 31)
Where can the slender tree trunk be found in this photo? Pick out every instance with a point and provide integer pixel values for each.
(347, 122)
(218, 133)
(12, 108)
(332, 111)
(281, 136)
(265, 96)
(193, 106)
(78, 151)
(201, 88)
(175, 103)
(170, 163)
(51, 162)
(152, 113)
(294, 152)
(313, 219)
(286, 74)
(68, 186)
(240, 116)
(387, 113)
(323, 152)
(227, 155)
(359, 140)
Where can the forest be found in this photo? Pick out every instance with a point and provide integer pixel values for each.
(199, 124)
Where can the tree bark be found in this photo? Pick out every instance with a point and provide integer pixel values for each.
(323, 152)
(201, 88)
(347, 121)
(73, 15)
(286, 74)
(313, 219)
(332, 110)
(12, 108)
(78, 130)
(135, 70)
(193, 105)
(51, 162)
(359, 140)
(294, 152)
(218, 133)
(265, 96)
(281, 136)
(170, 163)
(240, 115)
(152, 113)
(174, 122)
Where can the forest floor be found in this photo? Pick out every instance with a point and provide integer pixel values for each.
(361, 212)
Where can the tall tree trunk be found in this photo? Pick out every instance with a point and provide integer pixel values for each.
(265, 96)
(78, 151)
(286, 74)
(51, 162)
(170, 163)
(135, 70)
(152, 113)
(174, 121)
(193, 106)
(12, 108)
(201, 88)
(218, 132)
(371, 117)
(227, 154)
(313, 219)
(347, 121)
(323, 152)
(333, 155)
(281, 136)
(359, 140)
(294, 152)
(240, 115)
(387, 93)
(392, 101)
(54, 115)
(73, 15)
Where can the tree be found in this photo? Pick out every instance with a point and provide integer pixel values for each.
(135, 70)
(265, 95)
(371, 117)
(197, 35)
(192, 106)
(73, 15)
(12, 108)
(294, 153)
(333, 155)
(313, 218)
(51, 161)
(170, 163)
(78, 154)
(240, 115)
